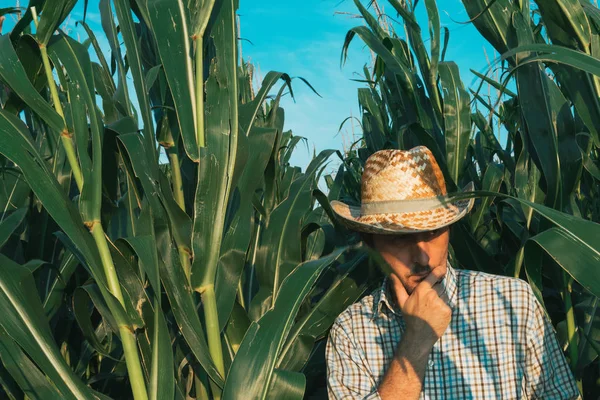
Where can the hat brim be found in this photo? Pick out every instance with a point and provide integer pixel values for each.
(404, 223)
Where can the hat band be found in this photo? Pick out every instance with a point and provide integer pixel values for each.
(403, 206)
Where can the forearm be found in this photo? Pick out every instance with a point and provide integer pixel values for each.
(405, 374)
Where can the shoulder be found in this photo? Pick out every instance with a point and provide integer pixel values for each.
(356, 314)
(483, 278)
(504, 288)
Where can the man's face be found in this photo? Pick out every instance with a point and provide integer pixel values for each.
(412, 257)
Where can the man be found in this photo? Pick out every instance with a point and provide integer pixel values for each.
(430, 331)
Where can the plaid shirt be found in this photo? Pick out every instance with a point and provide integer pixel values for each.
(499, 345)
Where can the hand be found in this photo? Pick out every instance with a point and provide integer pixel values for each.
(426, 315)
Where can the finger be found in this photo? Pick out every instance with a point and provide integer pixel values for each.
(439, 288)
(401, 295)
(426, 284)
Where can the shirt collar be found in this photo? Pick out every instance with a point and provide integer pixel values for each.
(384, 298)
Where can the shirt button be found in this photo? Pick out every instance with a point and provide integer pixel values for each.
(430, 363)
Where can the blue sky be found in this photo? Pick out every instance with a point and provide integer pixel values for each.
(305, 38)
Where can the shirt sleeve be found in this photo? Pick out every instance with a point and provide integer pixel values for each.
(347, 376)
(547, 373)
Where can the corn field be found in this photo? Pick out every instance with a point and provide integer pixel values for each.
(217, 274)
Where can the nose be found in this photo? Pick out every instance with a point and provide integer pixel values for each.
(420, 253)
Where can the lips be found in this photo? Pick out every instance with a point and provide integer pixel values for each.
(421, 276)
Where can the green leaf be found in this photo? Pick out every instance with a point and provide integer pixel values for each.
(145, 248)
(170, 30)
(183, 305)
(212, 185)
(287, 385)
(52, 15)
(572, 252)
(16, 144)
(493, 21)
(81, 310)
(76, 61)
(565, 21)
(253, 368)
(237, 238)
(492, 179)
(10, 224)
(11, 70)
(25, 322)
(27, 375)
(99, 53)
(280, 245)
(134, 59)
(313, 325)
(457, 119)
(586, 100)
(539, 116)
(162, 380)
(56, 289)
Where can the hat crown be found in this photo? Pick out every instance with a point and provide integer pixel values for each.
(401, 175)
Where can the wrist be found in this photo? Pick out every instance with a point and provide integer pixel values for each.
(412, 345)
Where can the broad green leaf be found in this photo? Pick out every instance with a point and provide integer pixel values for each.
(237, 238)
(16, 144)
(173, 42)
(253, 368)
(11, 70)
(110, 30)
(56, 289)
(492, 179)
(25, 322)
(80, 128)
(52, 15)
(217, 159)
(82, 312)
(539, 116)
(30, 379)
(162, 379)
(565, 20)
(145, 248)
(344, 291)
(495, 23)
(183, 305)
(76, 61)
(457, 119)
(9, 224)
(585, 100)
(128, 32)
(573, 253)
(287, 384)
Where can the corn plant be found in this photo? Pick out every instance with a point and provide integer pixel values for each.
(214, 275)
(538, 217)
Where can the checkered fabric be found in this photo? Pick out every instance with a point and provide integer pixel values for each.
(499, 345)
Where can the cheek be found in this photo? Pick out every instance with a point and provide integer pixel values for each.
(438, 250)
(398, 261)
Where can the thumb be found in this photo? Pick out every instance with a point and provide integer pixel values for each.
(399, 290)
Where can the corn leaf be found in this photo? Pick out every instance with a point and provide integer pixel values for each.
(457, 117)
(252, 371)
(173, 42)
(11, 70)
(25, 322)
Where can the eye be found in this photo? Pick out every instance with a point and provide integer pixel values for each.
(434, 233)
(402, 239)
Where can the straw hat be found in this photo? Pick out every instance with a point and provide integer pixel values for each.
(402, 191)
